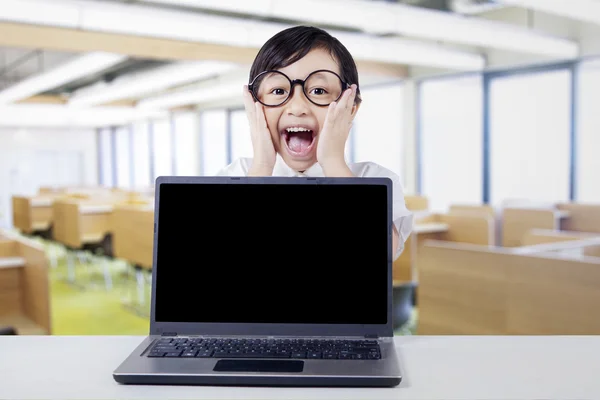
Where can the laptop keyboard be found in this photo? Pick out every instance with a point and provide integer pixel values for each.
(266, 348)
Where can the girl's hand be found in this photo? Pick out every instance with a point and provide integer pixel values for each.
(262, 144)
(336, 128)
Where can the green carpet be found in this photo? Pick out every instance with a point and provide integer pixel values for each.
(92, 311)
(97, 311)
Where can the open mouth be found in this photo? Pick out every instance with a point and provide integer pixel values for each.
(299, 140)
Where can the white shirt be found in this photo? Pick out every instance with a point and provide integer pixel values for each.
(401, 217)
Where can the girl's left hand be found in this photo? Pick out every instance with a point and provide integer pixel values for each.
(336, 128)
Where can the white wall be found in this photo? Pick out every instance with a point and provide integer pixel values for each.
(30, 158)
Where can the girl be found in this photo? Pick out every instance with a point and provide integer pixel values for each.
(301, 100)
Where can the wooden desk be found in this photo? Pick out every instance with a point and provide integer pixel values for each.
(404, 269)
(133, 234)
(81, 222)
(24, 288)
(430, 227)
(517, 222)
(32, 213)
(434, 367)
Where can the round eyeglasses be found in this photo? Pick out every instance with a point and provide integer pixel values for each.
(321, 87)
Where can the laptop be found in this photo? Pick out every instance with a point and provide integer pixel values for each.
(270, 281)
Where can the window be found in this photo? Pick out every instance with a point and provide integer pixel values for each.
(123, 157)
(141, 155)
(187, 152)
(214, 141)
(378, 129)
(241, 142)
(451, 126)
(161, 137)
(588, 133)
(530, 122)
(106, 157)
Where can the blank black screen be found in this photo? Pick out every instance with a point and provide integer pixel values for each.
(272, 253)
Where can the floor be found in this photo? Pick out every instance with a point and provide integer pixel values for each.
(98, 311)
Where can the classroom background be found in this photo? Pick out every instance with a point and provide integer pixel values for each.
(487, 110)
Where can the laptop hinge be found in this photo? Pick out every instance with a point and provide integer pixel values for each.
(371, 336)
(168, 334)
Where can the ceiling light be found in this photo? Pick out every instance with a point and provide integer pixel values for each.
(137, 85)
(74, 69)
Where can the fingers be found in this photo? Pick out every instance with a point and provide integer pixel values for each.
(249, 104)
(342, 108)
(261, 121)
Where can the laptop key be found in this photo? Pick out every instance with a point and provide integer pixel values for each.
(173, 354)
(156, 354)
(204, 354)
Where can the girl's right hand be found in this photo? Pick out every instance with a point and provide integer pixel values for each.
(262, 144)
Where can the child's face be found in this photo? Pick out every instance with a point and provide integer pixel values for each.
(298, 111)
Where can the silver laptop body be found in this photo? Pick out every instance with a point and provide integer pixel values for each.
(269, 281)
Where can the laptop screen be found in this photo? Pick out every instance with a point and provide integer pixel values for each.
(272, 253)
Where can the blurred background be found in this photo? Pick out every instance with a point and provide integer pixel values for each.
(486, 109)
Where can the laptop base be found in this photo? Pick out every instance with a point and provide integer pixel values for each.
(270, 381)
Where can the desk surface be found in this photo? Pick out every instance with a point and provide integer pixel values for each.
(430, 227)
(434, 367)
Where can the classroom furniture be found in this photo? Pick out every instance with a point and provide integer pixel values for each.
(516, 222)
(473, 208)
(8, 330)
(32, 214)
(581, 217)
(416, 203)
(434, 367)
(83, 224)
(459, 227)
(542, 289)
(24, 288)
(132, 227)
(403, 302)
(545, 236)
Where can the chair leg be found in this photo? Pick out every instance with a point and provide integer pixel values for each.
(141, 286)
(107, 276)
(70, 267)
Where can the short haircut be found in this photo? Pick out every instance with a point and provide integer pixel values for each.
(291, 44)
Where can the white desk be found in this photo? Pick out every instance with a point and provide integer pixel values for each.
(435, 367)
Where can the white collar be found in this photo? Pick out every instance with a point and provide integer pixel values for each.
(282, 169)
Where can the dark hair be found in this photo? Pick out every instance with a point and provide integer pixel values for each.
(291, 44)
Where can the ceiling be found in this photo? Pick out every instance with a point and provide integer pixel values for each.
(150, 37)
(18, 64)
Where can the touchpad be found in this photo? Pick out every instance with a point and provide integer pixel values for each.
(259, 366)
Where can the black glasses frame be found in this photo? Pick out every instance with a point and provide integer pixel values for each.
(293, 83)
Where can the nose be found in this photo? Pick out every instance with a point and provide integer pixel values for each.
(297, 104)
